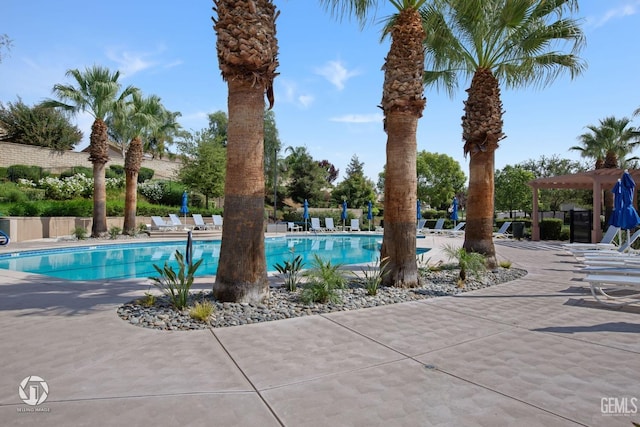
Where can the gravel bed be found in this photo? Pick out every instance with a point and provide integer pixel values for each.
(282, 304)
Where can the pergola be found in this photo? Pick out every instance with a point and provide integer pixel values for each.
(596, 180)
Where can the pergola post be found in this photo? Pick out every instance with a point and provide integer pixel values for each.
(535, 224)
(596, 230)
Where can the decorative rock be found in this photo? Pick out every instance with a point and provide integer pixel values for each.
(282, 304)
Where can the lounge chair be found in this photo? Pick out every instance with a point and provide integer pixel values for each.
(457, 230)
(420, 226)
(315, 225)
(355, 225)
(615, 286)
(502, 232)
(622, 250)
(175, 220)
(217, 222)
(328, 224)
(158, 223)
(437, 229)
(605, 243)
(291, 227)
(199, 222)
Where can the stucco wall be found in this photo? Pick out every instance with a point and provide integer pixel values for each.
(56, 162)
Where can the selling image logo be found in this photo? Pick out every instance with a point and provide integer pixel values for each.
(33, 390)
(619, 405)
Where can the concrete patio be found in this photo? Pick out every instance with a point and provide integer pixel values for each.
(533, 352)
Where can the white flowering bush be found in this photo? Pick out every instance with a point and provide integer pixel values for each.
(26, 183)
(114, 183)
(152, 190)
(67, 188)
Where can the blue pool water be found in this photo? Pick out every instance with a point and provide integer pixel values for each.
(136, 260)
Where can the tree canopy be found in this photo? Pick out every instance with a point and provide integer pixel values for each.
(355, 188)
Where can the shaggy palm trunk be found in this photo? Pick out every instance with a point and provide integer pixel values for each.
(132, 162)
(402, 103)
(242, 270)
(98, 155)
(247, 51)
(481, 132)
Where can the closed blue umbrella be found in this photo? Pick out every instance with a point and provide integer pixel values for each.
(418, 210)
(305, 213)
(454, 210)
(344, 213)
(184, 208)
(628, 216)
(369, 213)
(189, 253)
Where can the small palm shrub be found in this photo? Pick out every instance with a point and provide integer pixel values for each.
(80, 233)
(472, 262)
(174, 285)
(290, 271)
(114, 232)
(324, 279)
(372, 278)
(505, 264)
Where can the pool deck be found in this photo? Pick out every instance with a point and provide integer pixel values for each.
(537, 351)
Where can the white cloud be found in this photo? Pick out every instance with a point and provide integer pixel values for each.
(628, 9)
(336, 73)
(358, 118)
(287, 91)
(129, 63)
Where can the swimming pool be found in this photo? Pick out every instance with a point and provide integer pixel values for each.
(136, 260)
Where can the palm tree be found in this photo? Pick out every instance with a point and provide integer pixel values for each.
(133, 119)
(402, 104)
(162, 135)
(609, 144)
(96, 92)
(247, 54)
(494, 42)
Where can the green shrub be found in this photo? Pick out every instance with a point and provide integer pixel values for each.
(202, 310)
(324, 281)
(472, 262)
(32, 173)
(550, 229)
(290, 271)
(75, 207)
(373, 278)
(115, 171)
(145, 174)
(114, 232)
(3, 174)
(80, 233)
(565, 233)
(174, 285)
(77, 170)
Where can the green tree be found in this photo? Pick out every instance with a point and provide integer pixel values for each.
(609, 143)
(402, 105)
(204, 164)
(440, 177)
(158, 138)
(355, 188)
(493, 42)
(96, 92)
(218, 125)
(551, 199)
(272, 147)
(5, 44)
(247, 50)
(305, 178)
(512, 191)
(38, 125)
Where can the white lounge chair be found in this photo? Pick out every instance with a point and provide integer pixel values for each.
(328, 224)
(420, 226)
(437, 229)
(199, 222)
(355, 225)
(175, 220)
(217, 221)
(291, 227)
(158, 223)
(502, 231)
(622, 250)
(457, 230)
(315, 225)
(615, 286)
(605, 243)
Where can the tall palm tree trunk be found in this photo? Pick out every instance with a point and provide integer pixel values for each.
(481, 131)
(242, 271)
(98, 155)
(132, 162)
(402, 103)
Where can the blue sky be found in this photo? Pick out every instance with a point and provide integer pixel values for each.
(330, 81)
